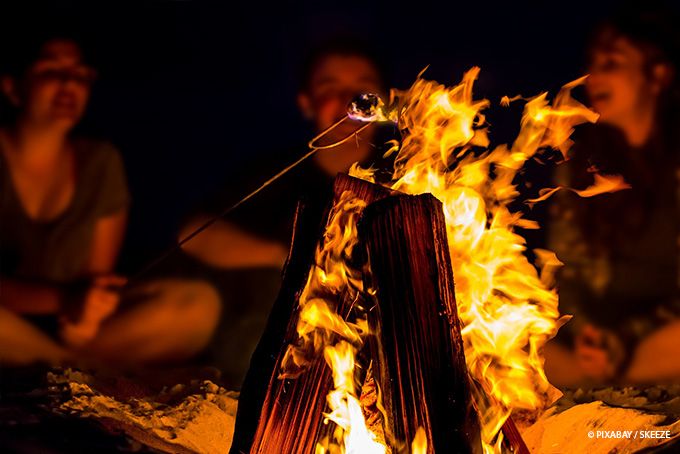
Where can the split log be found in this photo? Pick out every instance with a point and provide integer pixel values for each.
(417, 347)
(286, 416)
(513, 439)
(263, 370)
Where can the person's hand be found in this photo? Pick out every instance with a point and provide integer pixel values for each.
(593, 355)
(101, 301)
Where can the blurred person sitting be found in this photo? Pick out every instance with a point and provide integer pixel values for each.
(246, 250)
(63, 204)
(258, 233)
(620, 250)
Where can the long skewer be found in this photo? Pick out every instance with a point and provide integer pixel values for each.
(313, 148)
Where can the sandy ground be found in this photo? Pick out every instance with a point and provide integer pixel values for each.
(199, 417)
(607, 420)
(194, 418)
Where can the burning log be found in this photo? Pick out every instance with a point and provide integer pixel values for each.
(415, 353)
(419, 363)
(513, 439)
(263, 365)
(286, 416)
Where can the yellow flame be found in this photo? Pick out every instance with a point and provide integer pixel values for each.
(508, 311)
(331, 280)
(345, 407)
(419, 445)
(602, 184)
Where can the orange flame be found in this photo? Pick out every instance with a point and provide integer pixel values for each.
(345, 407)
(602, 184)
(322, 329)
(419, 445)
(330, 279)
(508, 311)
(507, 308)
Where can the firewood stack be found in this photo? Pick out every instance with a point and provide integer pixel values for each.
(415, 352)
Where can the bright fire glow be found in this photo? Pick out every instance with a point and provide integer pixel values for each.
(346, 409)
(508, 310)
(507, 306)
(419, 445)
(322, 330)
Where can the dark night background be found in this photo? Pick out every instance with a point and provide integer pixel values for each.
(191, 91)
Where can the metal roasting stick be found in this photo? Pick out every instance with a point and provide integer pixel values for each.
(313, 148)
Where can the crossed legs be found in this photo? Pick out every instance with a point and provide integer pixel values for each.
(172, 321)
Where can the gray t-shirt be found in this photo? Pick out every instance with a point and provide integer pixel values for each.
(56, 251)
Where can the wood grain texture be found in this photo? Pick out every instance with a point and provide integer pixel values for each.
(286, 416)
(419, 352)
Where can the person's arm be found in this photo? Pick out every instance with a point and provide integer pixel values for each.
(106, 243)
(29, 298)
(101, 298)
(225, 245)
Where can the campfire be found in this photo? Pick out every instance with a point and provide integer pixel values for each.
(409, 319)
(416, 322)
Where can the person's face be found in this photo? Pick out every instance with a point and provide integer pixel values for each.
(337, 79)
(56, 87)
(618, 87)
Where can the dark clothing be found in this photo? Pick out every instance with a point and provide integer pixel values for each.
(270, 214)
(620, 250)
(56, 251)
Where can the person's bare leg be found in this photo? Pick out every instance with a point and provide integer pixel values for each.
(657, 358)
(561, 366)
(174, 323)
(21, 343)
